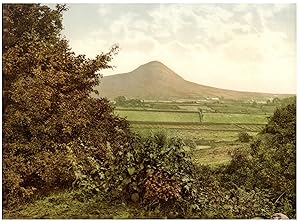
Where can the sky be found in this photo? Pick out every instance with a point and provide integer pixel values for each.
(247, 47)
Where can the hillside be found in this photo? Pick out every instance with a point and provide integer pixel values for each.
(156, 81)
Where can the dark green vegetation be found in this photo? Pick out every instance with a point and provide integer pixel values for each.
(67, 155)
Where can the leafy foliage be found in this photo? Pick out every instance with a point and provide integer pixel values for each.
(155, 172)
(270, 166)
(221, 198)
(47, 103)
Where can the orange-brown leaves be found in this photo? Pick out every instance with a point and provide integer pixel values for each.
(47, 102)
(159, 187)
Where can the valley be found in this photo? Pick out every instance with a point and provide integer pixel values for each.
(212, 126)
(155, 99)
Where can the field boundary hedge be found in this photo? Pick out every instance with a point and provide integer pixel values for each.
(156, 110)
(192, 123)
(188, 111)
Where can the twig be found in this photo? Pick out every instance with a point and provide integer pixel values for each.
(279, 197)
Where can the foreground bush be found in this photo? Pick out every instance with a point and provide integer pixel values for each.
(155, 172)
(270, 166)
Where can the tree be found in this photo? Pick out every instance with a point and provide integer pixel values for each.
(120, 100)
(275, 101)
(200, 114)
(47, 106)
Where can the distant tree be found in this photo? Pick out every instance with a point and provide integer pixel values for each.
(120, 100)
(47, 106)
(276, 100)
(200, 114)
(134, 102)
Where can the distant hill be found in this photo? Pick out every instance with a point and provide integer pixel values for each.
(155, 81)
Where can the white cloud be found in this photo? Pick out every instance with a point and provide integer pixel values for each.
(203, 43)
(248, 18)
(103, 10)
(240, 8)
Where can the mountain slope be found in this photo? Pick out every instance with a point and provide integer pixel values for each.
(156, 81)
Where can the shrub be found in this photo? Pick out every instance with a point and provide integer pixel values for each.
(270, 165)
(154, 172)
(244, 137)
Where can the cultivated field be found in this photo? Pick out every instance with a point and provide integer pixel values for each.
(235, 118)
(190, 116)
(212, 128)
(159, 116)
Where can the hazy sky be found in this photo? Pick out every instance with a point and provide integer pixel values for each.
(240, 47)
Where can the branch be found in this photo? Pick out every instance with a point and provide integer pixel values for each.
(279, 197)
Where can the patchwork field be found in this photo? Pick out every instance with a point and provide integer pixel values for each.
(210, 137)
(159, 116)
(190, 116)
(235, 118)
(223, 107)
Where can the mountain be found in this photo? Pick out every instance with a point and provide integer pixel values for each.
(156, 81)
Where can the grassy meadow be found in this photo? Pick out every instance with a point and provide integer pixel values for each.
(235, 118)
(213, 136)
(189, 116)
(159, 116)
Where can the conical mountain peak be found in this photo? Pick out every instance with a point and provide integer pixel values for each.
(156, 69)
(154, 63)
(154, 80)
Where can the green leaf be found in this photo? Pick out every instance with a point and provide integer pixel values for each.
(185, 179)
(127, 181)
(142, 166)
(131, 170)
(129, 156)
(150, 171)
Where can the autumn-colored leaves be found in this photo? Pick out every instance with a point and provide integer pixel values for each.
(159, 187)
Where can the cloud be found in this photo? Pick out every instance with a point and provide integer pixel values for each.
(251, 45)
(103, 10)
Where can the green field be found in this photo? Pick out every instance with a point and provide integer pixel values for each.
(215, 155)
(196, 108)
(235, 118)
(221, 107)
(212, 138)
(192, 117)
(200, 137)
(212, 145)
(242, 108)
(196, 126)
(159, 116)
